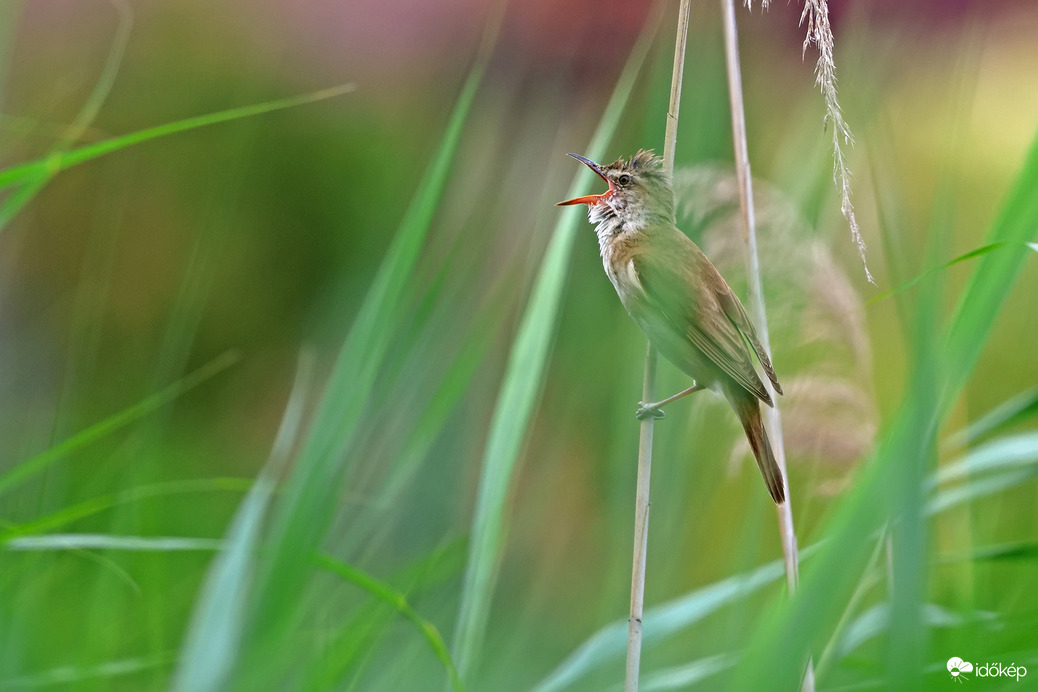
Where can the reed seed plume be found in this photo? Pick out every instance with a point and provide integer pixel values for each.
(820, 34)
(816, 319)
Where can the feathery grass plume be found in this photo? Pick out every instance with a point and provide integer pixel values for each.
(816, 320)
(772, 417)
(909, 435)
(820, 33)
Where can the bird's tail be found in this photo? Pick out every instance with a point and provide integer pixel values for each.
(748, 409)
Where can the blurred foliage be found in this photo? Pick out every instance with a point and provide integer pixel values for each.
(154, 302)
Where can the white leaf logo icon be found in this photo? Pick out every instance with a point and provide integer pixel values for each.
(956, 666)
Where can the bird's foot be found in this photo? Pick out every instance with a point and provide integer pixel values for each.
(646, 410)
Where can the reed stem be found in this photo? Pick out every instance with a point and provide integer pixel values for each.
(641, 509)
(756, 295)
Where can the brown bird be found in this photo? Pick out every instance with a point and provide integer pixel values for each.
(678, 298)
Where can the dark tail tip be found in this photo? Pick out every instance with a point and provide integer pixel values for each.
(748, 411)
(775, 485)
(769, 468)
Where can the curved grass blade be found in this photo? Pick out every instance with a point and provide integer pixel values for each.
(31, 467)
(309, 501)
(35, 182)
(1016, 227)
(1020, 407)
(876, 620)
(22, 195)
(610, 643)
(349, 649)
(96, 505)
(63, 160)
(92, 106)
(1019, 550)
(978, 488)
(210, 648)
(607, 645)
(524, 375)
(398, 601)
(1010, 452)
(809, 618)
(977, 252)
(684, 677)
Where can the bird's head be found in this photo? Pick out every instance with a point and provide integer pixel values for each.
(639, 194)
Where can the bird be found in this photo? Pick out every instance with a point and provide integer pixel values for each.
(679, 299)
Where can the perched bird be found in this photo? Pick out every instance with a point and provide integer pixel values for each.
(678, 298)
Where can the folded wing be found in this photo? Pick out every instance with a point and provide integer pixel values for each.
(712, 318)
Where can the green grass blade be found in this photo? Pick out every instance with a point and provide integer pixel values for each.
(109, 671)
(1018, 408)
(978, 488)
(988, 285)
(96, 505)
(353, 377)
(21, 196)
(398, 601)
(876, 620)
(104, 541)
(349, 649)
(522, 381)
(33, 183)
(31, 467)
(1009, 452)
(210, 648)
(103, 87)
(805, 622)
(610, 643)
(63, 160)
(795, 628)
(450, 388)
(684, 677)
(995, 466)
(309, 501)
(1018, 550)
(977, 252)
(57, 519)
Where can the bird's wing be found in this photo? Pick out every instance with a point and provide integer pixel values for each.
(737, 314)
(698, 315)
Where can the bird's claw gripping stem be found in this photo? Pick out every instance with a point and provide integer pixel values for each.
(646, 410)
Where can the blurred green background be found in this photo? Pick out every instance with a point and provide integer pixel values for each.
(231, 249)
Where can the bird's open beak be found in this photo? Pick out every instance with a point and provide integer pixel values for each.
(590, 200)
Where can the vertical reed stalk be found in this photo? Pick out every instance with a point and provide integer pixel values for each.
(641, 509)
(641, 529)
(756, 293)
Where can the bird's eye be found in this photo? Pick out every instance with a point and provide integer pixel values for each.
(624, 179)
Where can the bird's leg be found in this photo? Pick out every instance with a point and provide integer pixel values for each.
(645, 410)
